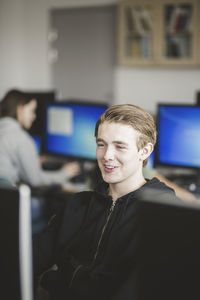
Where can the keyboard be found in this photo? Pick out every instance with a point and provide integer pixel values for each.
(52, 165)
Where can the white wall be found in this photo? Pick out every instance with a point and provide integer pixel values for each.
(37, 71)
(23, 46)
(24, 58)
(147, 87)
(11, 43)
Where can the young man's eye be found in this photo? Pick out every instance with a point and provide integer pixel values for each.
(100, 145)
(121, 147)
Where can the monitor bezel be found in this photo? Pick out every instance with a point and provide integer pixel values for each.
(68, 102)
(198, 98)
(42, 98)
(157, 162)
(165, 235)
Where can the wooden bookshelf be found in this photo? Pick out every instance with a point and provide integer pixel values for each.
(159, 32)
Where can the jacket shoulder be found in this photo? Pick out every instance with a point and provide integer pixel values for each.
(78, 200)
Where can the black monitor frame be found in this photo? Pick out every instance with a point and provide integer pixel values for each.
(168, 247)
(198, 98)
(42, 97)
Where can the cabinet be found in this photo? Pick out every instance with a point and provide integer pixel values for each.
(159, 32)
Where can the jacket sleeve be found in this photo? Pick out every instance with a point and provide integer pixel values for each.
(126, 289)
(29, 167)
(44, 245)
(48, 245)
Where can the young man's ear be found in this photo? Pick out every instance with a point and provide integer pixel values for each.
(146, 151)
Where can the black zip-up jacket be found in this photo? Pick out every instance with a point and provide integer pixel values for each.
(93, 246)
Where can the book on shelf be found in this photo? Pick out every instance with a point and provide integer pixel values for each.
(129, 20)
(179, 19)
(135, 49)
(141, 48)
(146, 47)
(142, 22)
(178, 46)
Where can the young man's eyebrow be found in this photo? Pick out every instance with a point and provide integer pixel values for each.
(120, 143)
(114, 142)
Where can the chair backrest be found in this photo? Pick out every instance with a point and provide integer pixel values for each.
(15, 243)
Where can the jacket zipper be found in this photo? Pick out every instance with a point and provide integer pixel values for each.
(74, 274)
(103, 230)
(98, 245)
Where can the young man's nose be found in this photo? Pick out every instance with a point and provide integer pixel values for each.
(109, 153)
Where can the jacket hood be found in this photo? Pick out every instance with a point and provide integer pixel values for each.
(155, 186)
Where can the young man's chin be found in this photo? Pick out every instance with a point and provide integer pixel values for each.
(109, 178)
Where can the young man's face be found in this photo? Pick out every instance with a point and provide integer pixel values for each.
(118, 157)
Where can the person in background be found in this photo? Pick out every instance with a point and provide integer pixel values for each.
(92, 245)
(19, 161)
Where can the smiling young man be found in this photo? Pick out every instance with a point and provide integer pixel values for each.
(118, 157)
(94, 244)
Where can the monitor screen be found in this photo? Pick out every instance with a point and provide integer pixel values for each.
(70, 129)
(178, 135)
(150, 163)
(37, 142)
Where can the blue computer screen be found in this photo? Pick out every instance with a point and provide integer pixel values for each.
(37, 141)
(150, 163)
(178, 135)
(70, 129)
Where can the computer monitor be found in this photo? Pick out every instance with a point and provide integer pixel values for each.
(70, 129)
(178, 143)
(150, 163)
(42, 98)
(198, 98)
(16, 243)
(37, 141)
(168, 247)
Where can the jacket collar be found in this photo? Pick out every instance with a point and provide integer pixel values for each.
(103, 187)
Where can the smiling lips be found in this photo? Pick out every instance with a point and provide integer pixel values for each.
(109, 169)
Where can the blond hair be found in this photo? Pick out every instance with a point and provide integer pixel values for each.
(134, 116)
